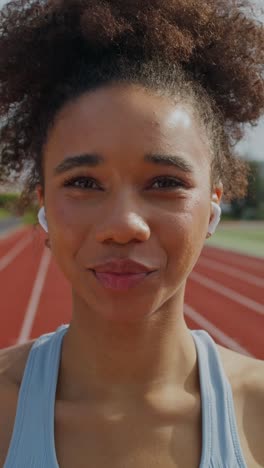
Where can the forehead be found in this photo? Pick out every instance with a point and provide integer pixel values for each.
(127, 118)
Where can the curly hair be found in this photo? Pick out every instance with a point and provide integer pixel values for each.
(210, 54)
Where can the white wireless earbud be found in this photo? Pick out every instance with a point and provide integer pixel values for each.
(216, 219)
(42, 219)
(211, 229)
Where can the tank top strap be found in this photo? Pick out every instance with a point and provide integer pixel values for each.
(31, 444)
(221, 444)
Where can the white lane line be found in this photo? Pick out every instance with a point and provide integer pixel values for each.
(35, 298)
(227, 292)
(14, 252)
(243, 260)
(214, 331)
(216, 265)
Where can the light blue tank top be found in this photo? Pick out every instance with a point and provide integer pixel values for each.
(32, 443)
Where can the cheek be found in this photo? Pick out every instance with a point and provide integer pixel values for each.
(182, 234)
(66, 234)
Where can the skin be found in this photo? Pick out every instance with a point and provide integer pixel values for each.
(132, 347)
(128, 390)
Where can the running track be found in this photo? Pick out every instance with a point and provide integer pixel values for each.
(224, 294)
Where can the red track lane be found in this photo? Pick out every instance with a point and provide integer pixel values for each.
(56, 302)
(238, 322)
(16, 285)
(252, 265)
(235, 320)
(240, 286)
(8, 242)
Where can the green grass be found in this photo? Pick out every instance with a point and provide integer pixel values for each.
(4, 213)
(245, 239)
(241, 237)
(28, 218)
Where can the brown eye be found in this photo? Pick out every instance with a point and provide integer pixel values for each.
(168, 183)
(82, 183)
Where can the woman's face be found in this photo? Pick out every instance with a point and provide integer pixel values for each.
(142, 192)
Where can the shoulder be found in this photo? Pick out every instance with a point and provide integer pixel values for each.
(246, 371)
(253, 397)
(12, 363)
(246, 377)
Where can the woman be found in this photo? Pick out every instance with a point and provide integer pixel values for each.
(125, 114)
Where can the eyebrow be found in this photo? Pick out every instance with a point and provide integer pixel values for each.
(95, 160)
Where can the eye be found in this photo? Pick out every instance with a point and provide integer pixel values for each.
(83, 183)
(88, 183)
(168, 183)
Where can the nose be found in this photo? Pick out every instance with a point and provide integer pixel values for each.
(123, 223)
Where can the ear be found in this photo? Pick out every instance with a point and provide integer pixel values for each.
(217, 193)
(216, 197)
(40, 195)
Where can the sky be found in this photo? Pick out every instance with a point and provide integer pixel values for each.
(253, 143)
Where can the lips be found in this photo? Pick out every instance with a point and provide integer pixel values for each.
(120, 282)
(122, 267)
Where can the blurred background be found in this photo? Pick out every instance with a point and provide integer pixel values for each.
(244, 216)
(224, 292)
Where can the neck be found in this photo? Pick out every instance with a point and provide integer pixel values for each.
(128, 361)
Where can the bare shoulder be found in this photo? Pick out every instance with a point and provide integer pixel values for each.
(246, 371)
(13, 361)
(246, 376)
(12, 365)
